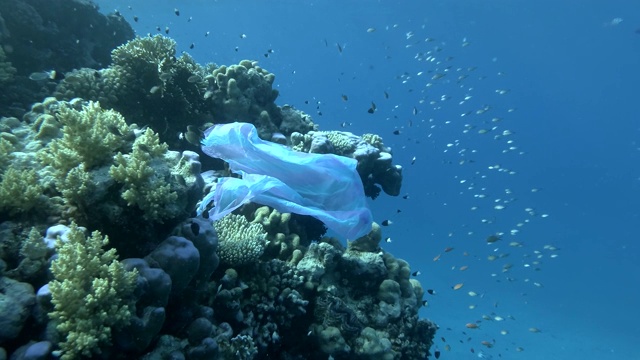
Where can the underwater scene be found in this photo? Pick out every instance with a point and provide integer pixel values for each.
(294, 179)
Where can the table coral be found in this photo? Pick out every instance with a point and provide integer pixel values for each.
(90, 293)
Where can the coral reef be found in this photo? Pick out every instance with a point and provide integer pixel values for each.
(116, 152)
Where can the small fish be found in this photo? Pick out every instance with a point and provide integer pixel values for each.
(447, 347)
(373, 108)
(463, 268)
(155, 89)
(243, 36)
(386, 222)
(344, 97)
(448, 249)
(386, 95)
(192, 46)
(406, 196)
(339, 48)
(165, 76)
(388, 240)
(436, 354)
(207, 33)
(208, 94)
(472, 326)
(457, 286)
(493, 238)
(396, 132)
(487, 344)
(534, 330)
(176, 11)
(194, 78)
(135, 18)
(438, 76)
(425, 303)
(431, 292)
(370, 30)
(415, 111)
(413, 161)
(416, 273)
(43, 75)
(437, 257)
(166, 30)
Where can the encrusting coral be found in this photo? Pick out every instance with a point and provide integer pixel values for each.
(91, 293)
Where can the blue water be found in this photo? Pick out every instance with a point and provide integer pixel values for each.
(571, 71)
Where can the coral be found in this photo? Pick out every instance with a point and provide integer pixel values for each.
(20, 190)
(240, 242)
(245, 94)
(374, 159)
(179, 258)
(7, 72)
(142, 186)
(91, 293)
(16, 301)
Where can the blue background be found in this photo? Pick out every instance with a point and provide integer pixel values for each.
(573, 108)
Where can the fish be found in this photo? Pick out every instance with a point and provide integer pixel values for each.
(396, 132)
(166, 30)
(194, 78)
(436, 354)
(370, 30)
(43, 75)
(413, 161)
(176, 11)
(373, 108)
(135, 18)
(416, 273)
(339, 48)
(406, 196)
(386, 95)
(344, 97)
(388, 240)
(192, 46)
(437, 257)
(448, 249)
(534, 330)
(386, 222)
(463, 268)
(155, 89)
(431, 292)
(457, 286)
(493, 238)
(415, 111)
(472, 326)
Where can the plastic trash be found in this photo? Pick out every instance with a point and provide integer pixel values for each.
(324, 186)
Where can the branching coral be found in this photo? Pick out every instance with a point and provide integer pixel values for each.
(143, 187)
(91, 293)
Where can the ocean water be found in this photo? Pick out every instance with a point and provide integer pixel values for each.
(524, 122)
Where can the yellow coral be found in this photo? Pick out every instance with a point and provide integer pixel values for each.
(90, 136)
(91, 293)
(20, 190)
(141, 185)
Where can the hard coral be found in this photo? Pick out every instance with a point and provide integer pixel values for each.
(240, 242)
(91, 293)
(143, 187)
